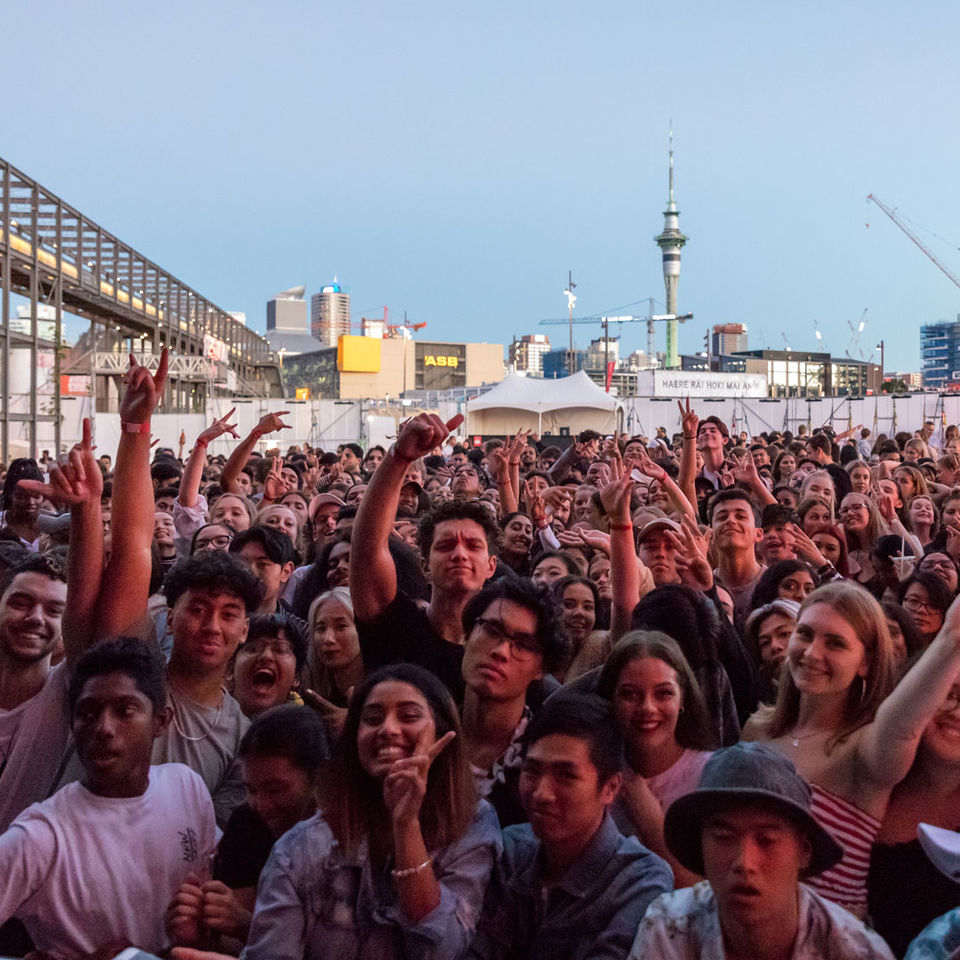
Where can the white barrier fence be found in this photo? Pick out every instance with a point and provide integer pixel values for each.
(326, 423)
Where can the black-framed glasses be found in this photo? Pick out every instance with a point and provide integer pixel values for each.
(216, 543)
(276, 645)
(522, 645)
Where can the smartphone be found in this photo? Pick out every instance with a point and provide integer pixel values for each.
(132, 953)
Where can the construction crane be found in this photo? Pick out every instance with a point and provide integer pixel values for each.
(855, 331)
(606, 321)
(892, 214)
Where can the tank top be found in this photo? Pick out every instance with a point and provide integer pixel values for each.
(855, 830)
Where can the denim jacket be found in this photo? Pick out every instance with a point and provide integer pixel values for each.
(593, 912)
(313, 903)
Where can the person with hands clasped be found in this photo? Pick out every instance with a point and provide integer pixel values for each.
(395, 862)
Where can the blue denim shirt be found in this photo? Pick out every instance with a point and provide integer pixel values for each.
(593, 912)
(939, 939)
(313, 903)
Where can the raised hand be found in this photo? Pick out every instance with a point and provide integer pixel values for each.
(219, 427)
(648, 468)
(271, 422)
(579, 537)
(332, 715)
(804, 547)
(144, 390)
(419, 435)
(615, 496)
(499, 464)
(75, 477)
(692, 547)
(405, 786)
(536, 508)
(273, 485)
(689, 421)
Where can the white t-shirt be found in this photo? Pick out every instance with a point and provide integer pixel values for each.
(82, 870)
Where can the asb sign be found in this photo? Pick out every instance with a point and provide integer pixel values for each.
(440, 361)
(440, 366)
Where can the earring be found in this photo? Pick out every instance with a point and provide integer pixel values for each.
(863, 690)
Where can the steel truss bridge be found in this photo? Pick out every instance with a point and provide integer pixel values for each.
(61, 261)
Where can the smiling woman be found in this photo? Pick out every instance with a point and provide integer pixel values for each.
(838, 721)
(267, 665)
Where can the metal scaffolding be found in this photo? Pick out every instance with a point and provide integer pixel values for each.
(61, 261)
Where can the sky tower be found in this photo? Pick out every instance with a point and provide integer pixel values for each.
(671, 241)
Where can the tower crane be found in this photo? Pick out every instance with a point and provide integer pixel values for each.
(892, 214)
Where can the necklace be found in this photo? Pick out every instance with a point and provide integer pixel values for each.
(806, 736)
(212, 727)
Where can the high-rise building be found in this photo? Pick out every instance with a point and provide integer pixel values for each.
(287, 311)
(330, 314)
(728, 338)
(940, 352)
(671, 242)
(602, 351)
(526, 354)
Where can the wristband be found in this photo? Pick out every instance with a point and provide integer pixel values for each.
(135, 427)
(201, 442)
(411, 871)
(685, 437)
(621, 526)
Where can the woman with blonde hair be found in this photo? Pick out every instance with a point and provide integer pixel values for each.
(819, 486)
(911, 481)
(845, 727)
(861, 476)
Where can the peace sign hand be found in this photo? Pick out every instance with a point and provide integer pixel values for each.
(689, 421)
(273, 486)
(405, 785)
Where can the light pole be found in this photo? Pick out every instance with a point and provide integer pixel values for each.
(879, 347)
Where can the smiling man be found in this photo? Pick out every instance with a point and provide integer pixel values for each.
(748, 829)
(734, 522)
(457, 546)
(569, 884)
(210, 595)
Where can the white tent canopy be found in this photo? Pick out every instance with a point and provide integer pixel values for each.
(573, 402)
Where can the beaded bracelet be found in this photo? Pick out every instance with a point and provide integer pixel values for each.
(411, 871)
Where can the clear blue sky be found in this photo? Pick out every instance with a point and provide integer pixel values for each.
(454, 160)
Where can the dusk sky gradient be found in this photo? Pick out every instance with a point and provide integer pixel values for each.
(454, 160)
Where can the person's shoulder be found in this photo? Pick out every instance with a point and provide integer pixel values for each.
(402, 607)
(520, 845)
(177, 778)
(680, 905)
(307, 840)
(233, 712)
(632, 861)
(837, 931)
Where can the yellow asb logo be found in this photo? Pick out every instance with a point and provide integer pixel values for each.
(430, 361)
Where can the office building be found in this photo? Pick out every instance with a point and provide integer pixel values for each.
(728, 338)
(800, 373)
(526, 354)
(940, 353)
(330, 314)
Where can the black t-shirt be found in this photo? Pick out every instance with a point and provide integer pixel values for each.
(243, 850)
(403, 634)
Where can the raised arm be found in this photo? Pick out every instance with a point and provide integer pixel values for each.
(676, 495)
(373, 576)
(746, 474)
(689, 423)
(269, 423)
(193, 470)
(888, 745)
(624, 571)
(76, 479)
(500, 468)
(126, 580)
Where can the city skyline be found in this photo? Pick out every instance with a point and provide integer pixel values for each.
(457, 163)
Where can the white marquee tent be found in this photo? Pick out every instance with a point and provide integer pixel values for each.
(570, 403)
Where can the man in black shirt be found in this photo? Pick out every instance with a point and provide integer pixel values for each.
(457, 544)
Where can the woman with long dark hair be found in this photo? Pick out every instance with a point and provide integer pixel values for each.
(660, 712)
(399, 853)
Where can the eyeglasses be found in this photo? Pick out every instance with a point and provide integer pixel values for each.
(912, 603)
(277, 646)
(218, 542)
(522, 645)
(937, 565)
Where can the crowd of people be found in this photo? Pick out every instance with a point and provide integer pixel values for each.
(650, 697)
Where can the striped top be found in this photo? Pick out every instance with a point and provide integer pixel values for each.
(855, 831)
